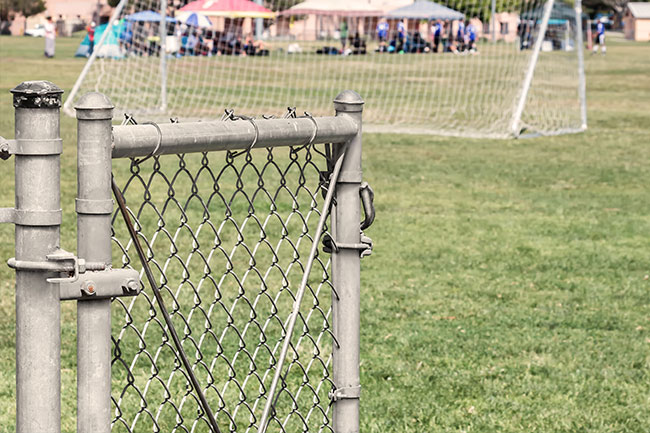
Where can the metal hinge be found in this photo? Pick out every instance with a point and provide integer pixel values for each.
(350, 392)
(365, 247)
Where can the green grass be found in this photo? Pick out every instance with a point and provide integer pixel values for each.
(508, 290)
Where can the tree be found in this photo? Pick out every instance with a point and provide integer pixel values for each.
(616, 6)
(26, 8)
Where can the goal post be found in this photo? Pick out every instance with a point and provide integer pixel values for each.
(530, 70)
(473, 68)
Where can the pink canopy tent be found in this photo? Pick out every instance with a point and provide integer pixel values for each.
(227, 9)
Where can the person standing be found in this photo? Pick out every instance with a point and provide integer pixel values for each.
(343, 34)
(437, 32)
(470, 37)
(50, 38)
(91, 38)
(600, 37)
(382, 34)
(401, 35)
(460, 36)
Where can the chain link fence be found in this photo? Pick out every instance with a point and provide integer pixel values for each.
(227, 236)
(223, 295)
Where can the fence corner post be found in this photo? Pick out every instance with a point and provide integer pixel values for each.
(346, 274)
(94, 208)
(38, 221)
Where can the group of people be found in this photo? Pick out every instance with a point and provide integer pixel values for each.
(195, 42)
(443, 38)
(183, 40)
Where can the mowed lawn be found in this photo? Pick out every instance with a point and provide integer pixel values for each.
(509, 287)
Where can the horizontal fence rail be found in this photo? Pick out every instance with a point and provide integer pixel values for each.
(164, 139)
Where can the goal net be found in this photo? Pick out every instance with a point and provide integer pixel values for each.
(478, 68)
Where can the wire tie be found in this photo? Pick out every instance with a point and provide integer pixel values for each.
(156, 149)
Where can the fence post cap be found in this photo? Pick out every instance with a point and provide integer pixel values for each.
(94, 106)
(37, 94)
(348, 101)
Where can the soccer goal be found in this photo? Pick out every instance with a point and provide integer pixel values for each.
(477, 68)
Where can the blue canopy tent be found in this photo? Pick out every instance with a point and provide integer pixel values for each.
(148, 16)
(425, 10)
(111, 46)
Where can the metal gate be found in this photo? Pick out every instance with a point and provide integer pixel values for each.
(222, 293)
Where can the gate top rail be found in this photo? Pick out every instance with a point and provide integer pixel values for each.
(174, 138)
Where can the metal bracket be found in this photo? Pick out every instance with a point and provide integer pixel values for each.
(110, 283)
(351, 392)
(34, 218)
(364, 248)
(53, 146)
(58, 261)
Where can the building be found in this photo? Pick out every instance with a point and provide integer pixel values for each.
(70, 15)
(636, 21)
(505, 27)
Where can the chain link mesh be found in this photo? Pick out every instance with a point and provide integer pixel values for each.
(227, 236)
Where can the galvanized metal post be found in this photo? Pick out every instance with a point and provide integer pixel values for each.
(259, 22)
(494, 20)
(346, 268)
(530, 71)
(582, 81)
(38, 220)
(163, 55)
(94, 208)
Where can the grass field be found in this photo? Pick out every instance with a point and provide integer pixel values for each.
(509, 287)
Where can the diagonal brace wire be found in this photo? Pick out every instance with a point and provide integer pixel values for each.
(152, 282)
(270, 401)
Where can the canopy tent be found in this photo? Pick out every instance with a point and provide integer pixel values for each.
(196, 20)
(425, 10)
(226, 8)
(111, 46)
(350, 8)
(147, 16)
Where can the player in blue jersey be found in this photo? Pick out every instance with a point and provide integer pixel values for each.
(460, 36)
(437, 34)
(382, 34)
(401, 32)
(600, 37)
(470, 37)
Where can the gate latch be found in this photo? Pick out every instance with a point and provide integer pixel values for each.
(85, 280)
(58, 261)
(109, 283)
